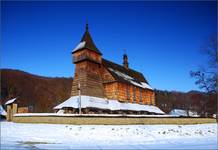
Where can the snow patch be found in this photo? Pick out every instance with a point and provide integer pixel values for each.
(96, 102)
(181, 112)
(145, 85)
(131, 79)
(2, 111)
(10, 101)
(61, 111)
(80, 46)
(123, 75)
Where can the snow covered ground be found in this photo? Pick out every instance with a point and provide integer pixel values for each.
(51, 136)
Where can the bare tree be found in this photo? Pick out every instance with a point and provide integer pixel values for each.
(205, 80)
(207, 77)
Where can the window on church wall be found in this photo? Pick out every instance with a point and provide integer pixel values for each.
(140, 95)
(127, 92)
(147, 98)
(134, 94)
(116, 91)
(150, 98)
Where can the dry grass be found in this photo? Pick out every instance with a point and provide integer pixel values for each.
(111, 120)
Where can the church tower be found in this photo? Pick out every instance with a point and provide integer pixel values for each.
(87, 59)
(125, 61)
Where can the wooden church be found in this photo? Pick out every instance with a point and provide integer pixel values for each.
(102, 78)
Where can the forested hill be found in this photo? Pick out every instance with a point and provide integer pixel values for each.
(193, 100)
(42, 93)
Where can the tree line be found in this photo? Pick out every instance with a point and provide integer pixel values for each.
(195, 101)
(41, 94)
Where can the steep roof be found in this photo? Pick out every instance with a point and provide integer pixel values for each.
(87, 43)
(121, 74)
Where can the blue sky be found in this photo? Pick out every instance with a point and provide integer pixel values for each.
(162, 39)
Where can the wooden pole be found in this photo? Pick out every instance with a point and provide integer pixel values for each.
(79, 88)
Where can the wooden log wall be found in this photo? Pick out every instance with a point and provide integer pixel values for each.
(117, 90)
(147, 96)
(111, 90)
(90, 80)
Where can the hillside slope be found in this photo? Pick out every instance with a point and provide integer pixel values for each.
(41, 93)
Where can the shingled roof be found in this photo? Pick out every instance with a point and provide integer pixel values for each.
(87, 43)
(129, 76)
